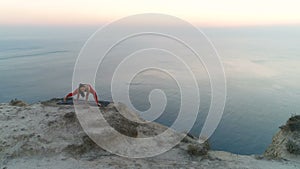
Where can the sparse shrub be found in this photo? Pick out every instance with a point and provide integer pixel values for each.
(188, 138)
(292, 147)
(294, 123)
(17, 102)
(198, 149)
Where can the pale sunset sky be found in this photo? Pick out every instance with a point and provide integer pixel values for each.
(198, 12)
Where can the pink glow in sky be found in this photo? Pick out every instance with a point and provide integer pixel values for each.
(201, 12)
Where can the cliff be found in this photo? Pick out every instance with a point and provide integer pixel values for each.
(286, 143)
(46, 135)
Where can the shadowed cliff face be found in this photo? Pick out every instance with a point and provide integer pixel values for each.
(286, 143)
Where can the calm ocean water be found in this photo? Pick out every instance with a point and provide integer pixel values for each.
(261, 66)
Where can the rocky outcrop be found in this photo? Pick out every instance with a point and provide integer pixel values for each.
(286, 143)
(48, 129)
(47, 135)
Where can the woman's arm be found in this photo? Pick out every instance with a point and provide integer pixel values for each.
(72, 94)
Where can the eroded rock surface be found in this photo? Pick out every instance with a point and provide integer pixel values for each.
(46, 135)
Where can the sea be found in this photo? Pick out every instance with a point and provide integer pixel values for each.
(261, 64)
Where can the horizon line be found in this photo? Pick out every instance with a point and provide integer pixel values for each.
(105, 23)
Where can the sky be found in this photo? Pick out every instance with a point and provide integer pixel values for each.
(199, 12)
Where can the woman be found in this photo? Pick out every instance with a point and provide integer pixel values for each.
(80, 91)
